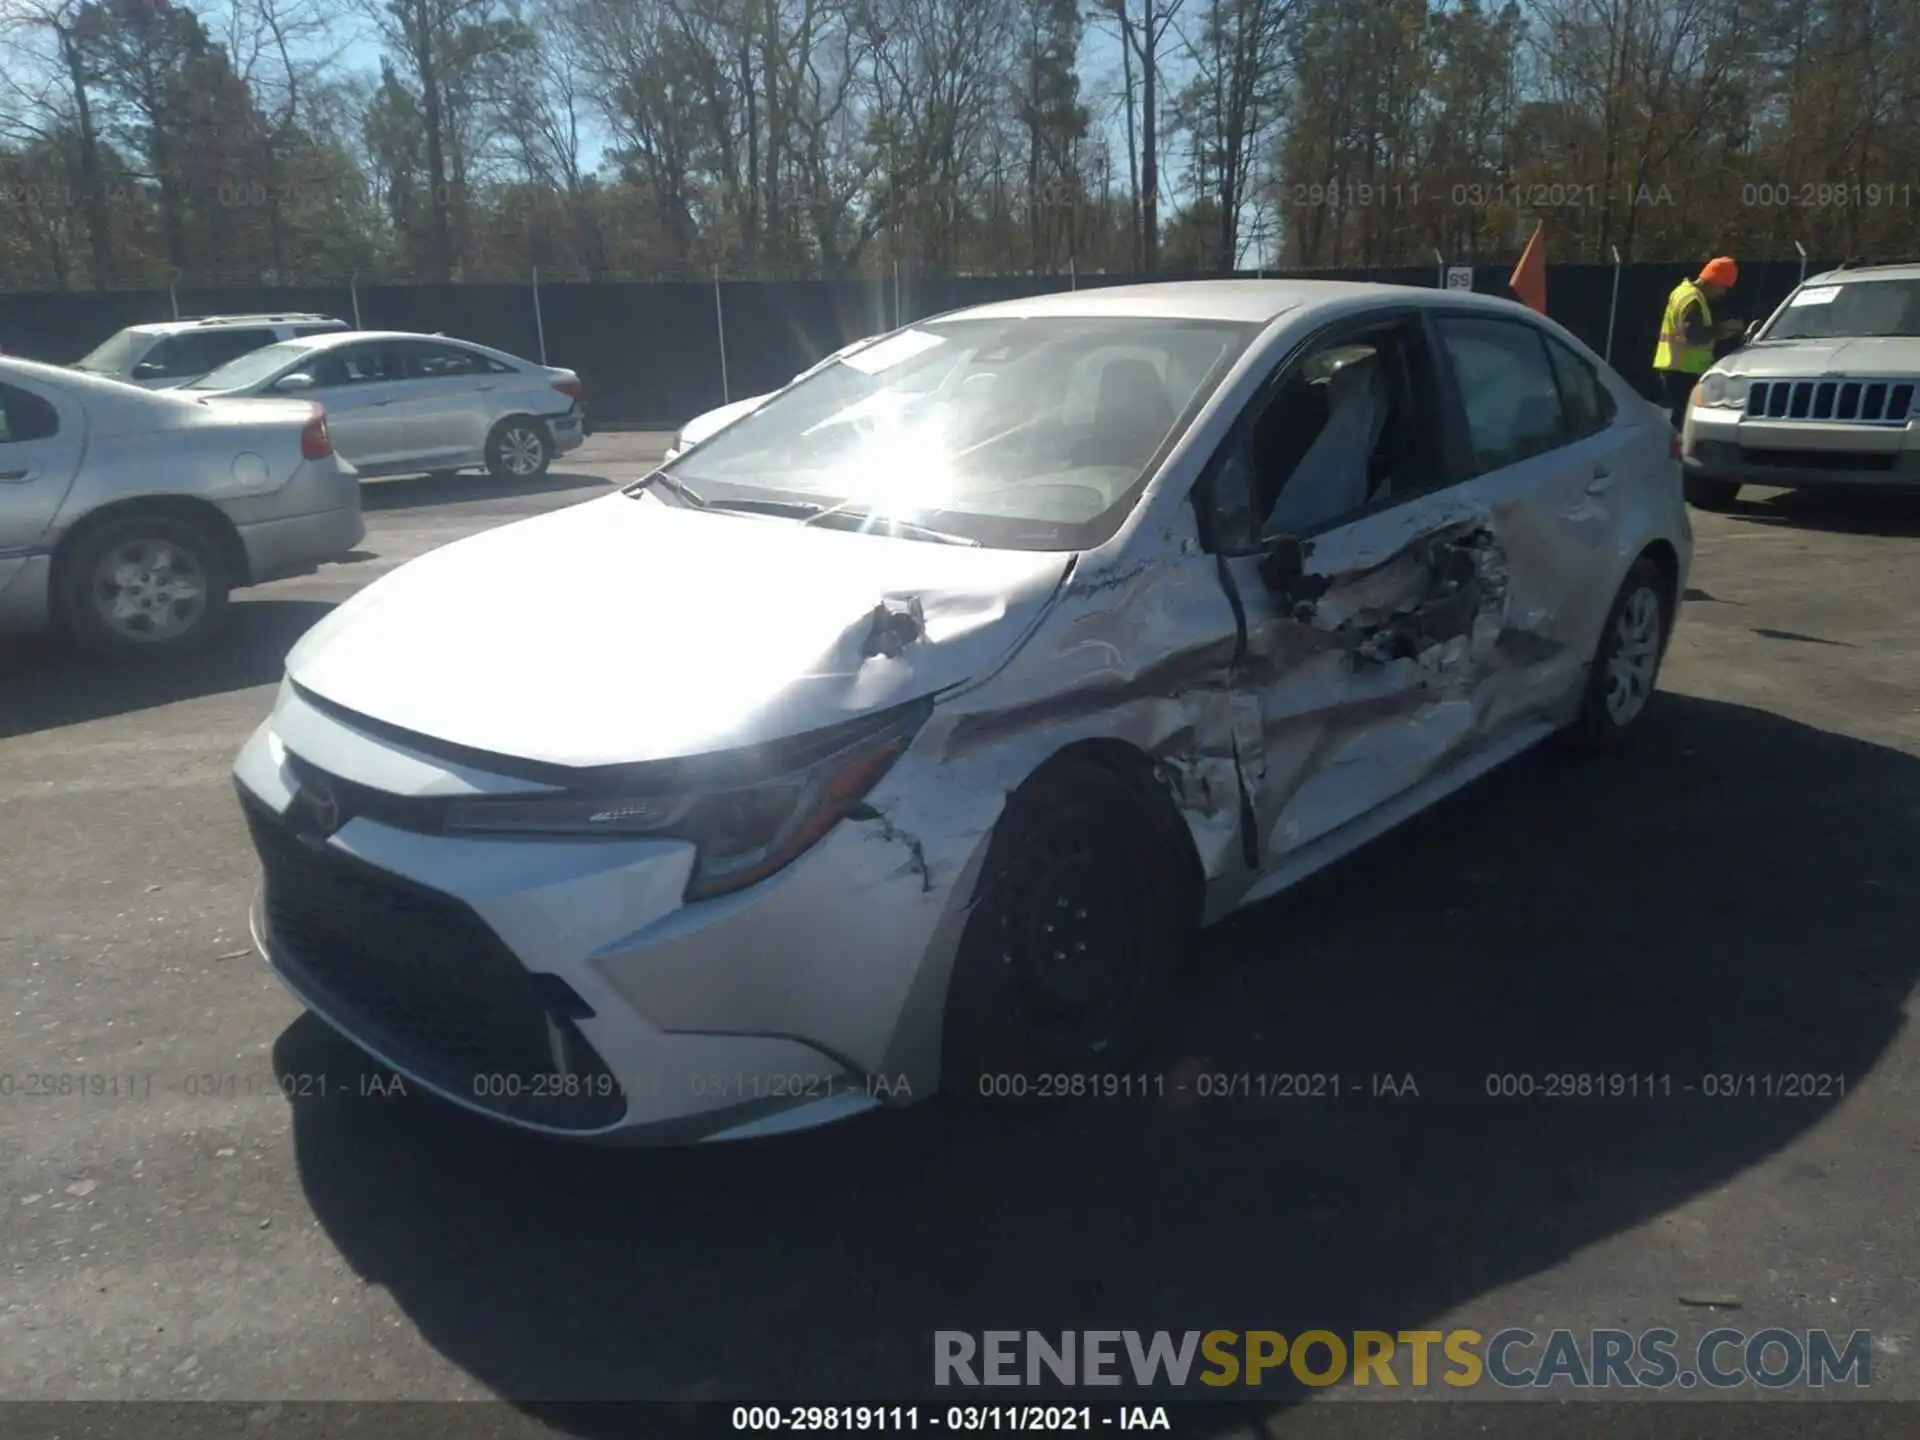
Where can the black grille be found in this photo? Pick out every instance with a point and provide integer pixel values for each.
(417, 976)
(1863, 402)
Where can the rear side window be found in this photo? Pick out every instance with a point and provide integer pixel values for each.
(25, 416)
(195, 352)
(1589, 406)
(1508, 390)
(421, 361)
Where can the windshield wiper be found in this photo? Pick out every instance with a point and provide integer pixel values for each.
(680, 491)
(785, 509)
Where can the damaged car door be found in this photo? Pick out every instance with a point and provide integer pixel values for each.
(1369, 588)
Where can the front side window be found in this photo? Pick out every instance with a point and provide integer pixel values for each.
(1346, 428)
(1507, 389)
(1036, 433)
(117, 354)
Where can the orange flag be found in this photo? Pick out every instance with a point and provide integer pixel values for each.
(1529, 279)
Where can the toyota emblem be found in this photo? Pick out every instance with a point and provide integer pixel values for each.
(323, 805)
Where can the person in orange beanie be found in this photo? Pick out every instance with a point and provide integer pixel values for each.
(1687, 334)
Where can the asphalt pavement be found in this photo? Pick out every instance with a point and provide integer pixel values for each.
(205, 1195)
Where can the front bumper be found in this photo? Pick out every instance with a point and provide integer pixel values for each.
(565, 988)
(1726, 445)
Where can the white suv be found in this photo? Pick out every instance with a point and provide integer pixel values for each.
(172, 352)
(1826, 393)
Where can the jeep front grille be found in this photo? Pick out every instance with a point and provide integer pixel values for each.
(1854, 402)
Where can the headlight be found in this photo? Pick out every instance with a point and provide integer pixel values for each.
(744, 832)
(1720, 392)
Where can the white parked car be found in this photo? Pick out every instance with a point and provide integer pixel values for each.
(403, 404)
(713, 421)
(902, 734)
(128, 515)
(172, 352)
(1825, 394)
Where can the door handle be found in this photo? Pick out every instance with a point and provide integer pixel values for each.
(1601, 482)
(16, 474)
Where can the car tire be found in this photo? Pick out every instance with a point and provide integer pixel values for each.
(519, 448)
(1626, 663)
(1082, 863)
(1705, 494)
(173, 602)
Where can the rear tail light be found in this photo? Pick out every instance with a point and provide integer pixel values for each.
(572, 389)
(315, 442)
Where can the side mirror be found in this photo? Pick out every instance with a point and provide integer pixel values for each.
(298, 380)
(148, 370)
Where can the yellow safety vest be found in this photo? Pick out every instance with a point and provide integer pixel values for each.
(1672, 353)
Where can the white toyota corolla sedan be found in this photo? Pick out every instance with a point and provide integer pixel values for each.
(900, 736)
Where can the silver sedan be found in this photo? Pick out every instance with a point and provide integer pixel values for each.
(404, 404)
(901, 735)
(128, 515)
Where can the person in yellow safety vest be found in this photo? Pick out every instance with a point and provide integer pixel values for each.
(1687, 333)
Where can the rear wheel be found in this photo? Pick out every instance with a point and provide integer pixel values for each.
(1626, 664)
(519, 449)
(1085, 907)
(1705, 494)
(143, 584)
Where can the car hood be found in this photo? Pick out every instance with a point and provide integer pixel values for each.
(626, 630)
(1810, 359)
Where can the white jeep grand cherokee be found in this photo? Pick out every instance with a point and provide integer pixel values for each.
(1825, 393)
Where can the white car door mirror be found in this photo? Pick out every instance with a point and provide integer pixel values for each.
(299, 380)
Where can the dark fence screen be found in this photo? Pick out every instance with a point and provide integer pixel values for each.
(658, 353)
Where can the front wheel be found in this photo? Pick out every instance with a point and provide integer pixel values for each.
(1626, 664)
(142, 584)
(519, 449)
(1705, 494)
(1086, 905)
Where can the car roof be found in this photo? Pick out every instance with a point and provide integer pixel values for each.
(1255, 301)
(213, 322)
(1905, 270)
(341, 337)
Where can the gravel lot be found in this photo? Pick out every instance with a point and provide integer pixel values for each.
(1740, 894)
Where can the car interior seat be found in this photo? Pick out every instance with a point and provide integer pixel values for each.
(1334, 476)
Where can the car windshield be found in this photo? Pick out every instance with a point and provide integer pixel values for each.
(115, 356)
(1033, 434)
(1856, 309)
(249, 369)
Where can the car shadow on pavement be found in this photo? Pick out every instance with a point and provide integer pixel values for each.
(1844, 512)
(45, 684)
(1732, 895)
(407, 491)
